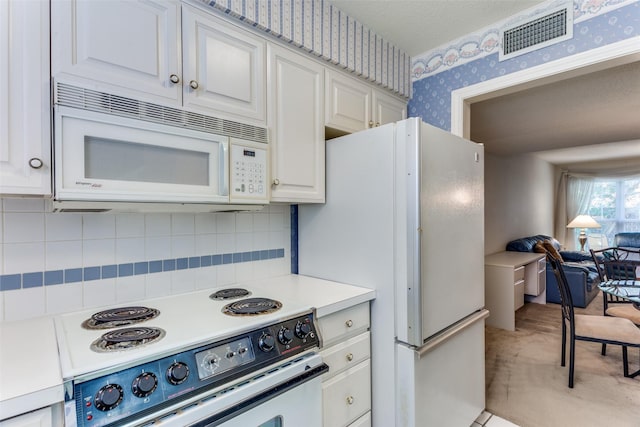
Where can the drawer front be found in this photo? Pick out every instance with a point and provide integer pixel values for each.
(345, 323)
(518, 274)
(542, 264)
(346, 354)
(363, 421)
(518, 295)
(347, 396)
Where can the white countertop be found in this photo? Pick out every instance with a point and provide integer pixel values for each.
(30, 376)
(29, 368)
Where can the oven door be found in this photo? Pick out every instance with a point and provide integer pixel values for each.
(286, 395)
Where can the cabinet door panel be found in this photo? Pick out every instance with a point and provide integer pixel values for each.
(387, 109)
(295, 117)
(124, 47)
(39, 418)
(348, 103)
(24, 104)
(226, 64)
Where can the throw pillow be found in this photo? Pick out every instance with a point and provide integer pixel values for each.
(552, 250)
(539, 247)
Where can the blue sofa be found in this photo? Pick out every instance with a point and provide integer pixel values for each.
(579, 268)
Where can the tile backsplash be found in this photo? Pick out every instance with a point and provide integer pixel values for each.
(59, 262)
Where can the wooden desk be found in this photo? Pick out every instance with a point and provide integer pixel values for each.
(508, 276)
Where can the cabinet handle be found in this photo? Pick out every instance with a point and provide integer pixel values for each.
(276, 181)
(174, 78)
(350, 400)
(349, 323)
(35, 163)
(193, 84)
(377, 124)
(350, 357)
(370, 123)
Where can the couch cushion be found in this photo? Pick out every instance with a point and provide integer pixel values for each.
(526, 244)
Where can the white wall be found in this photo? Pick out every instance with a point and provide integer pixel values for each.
(36, 245)
(519, 199)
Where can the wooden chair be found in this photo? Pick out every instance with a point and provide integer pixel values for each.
(600, 329)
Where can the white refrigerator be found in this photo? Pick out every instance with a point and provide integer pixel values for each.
(404, 215)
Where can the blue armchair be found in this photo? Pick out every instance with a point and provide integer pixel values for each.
(579, 268)
(627, 240)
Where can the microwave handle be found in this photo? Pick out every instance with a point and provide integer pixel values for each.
(223, 170)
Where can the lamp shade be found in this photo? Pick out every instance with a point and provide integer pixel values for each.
(583, 221)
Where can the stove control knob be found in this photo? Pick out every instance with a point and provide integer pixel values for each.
(266, 342)
(285, 335)
(108, 397)
(144, 384)
(302, 330)
(177, 373)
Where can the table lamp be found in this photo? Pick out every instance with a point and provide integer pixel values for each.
(583, 222)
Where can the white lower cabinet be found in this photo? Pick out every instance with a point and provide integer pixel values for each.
(40, 418)
(346, 388)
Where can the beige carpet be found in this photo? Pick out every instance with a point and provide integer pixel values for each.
(527, 386)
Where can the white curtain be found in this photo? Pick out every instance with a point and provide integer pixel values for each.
(578, 196)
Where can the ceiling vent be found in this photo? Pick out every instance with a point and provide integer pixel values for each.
(543, 29)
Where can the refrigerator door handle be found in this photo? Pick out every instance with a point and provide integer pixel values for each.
(450, 332)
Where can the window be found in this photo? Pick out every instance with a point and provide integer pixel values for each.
(615, 204)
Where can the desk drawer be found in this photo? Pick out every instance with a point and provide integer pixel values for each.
(518, 295)
(518, 274)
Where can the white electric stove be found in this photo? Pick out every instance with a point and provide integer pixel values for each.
(213, 357)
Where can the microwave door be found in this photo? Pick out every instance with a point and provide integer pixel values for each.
(106, 158)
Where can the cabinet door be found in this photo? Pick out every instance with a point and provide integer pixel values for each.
(295, 118)
(387, 109)
(348, 103)
(224, 68)
(125, 47)
(25, 136)
(39, 418)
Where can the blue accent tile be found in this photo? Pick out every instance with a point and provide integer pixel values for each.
(294, 238)
(227, 258)
(216, 259)
(246, 256)
(109, 271)
(264, 254)
(194, 262)
(125, 270)
(205, 260)
(255, 255)
(280, 253)
(273, 253)
(73, 275)
(155, 266)
(32, 280)
(168, 265)
(91, 273)
(140, 268)
(54, 277)
(237, 257)
(182, 263)
(10, 282)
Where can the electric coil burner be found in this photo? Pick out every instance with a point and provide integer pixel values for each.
(121, 316)
(251, 307)
(126, 338)
(230, 293)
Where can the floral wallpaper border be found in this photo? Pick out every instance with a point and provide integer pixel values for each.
(323, 30)
(487, 41)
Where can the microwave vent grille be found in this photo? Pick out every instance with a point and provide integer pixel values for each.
(87, 99)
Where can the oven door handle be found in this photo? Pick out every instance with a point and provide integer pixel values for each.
(262, 397)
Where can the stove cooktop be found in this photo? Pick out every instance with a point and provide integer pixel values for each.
(183, 321)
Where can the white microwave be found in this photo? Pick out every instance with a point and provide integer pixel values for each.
(105, 161)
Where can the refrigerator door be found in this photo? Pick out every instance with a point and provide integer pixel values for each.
(444, 244)
(442, 384)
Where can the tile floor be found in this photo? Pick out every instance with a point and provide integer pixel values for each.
(489, 420)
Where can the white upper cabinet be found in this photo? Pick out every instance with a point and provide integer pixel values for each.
(352, 105)
(161, 51)
(124, 47)
(224, 67)
(297, 129)
(25, 124)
